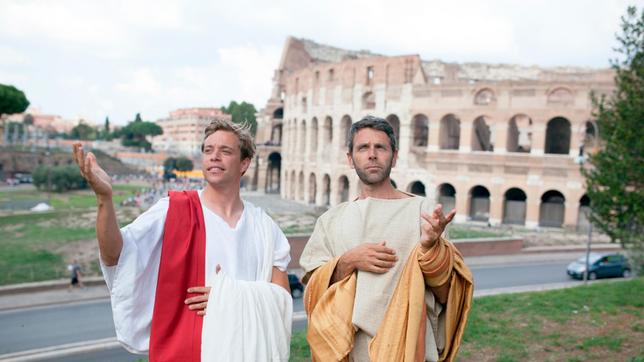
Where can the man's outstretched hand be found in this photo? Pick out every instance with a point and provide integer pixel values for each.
(433, 226)
(96, 177)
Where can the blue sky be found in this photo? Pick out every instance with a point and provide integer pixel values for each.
(91, 59)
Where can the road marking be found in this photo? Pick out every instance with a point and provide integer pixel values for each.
(61, 350)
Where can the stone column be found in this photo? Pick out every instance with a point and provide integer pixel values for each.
(571, 213)
(405, 140)
(434, 135)
(533, 202)
(538, 138)
(496, 206)
(466, 137)
(500, 137)
(461, 203)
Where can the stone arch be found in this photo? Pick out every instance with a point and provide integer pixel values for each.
(273, 172)
(312, 188)
(343, 188)
(304, 105)
(420, 125)
(345, 125)
(278, 113)
(300, 186)
(450, 132)
(447, 197)
(327, 130)
(589, 135)
(479, 203)
(583, 216)
(514, 206)
(560, 96)
(326, 190)
(519, 134)
(302, 137)
(484, 97)
(292, 186)
(394, 121)
(558, 136)
(276, 134)
(482, 137)
(416, 188)
(314, 137)
(369, 100)
(552, 209)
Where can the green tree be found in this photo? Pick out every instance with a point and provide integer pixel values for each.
(83, 132)
(106, 134)
(135, 133)
(61, 178)
(184, 164)
(12, 100)
(615, 178)
(242, 113)
(178, 164)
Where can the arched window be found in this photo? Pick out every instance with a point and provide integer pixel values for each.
(421, 130)
(558, 136)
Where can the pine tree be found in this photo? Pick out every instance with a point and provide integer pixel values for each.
(615, 178)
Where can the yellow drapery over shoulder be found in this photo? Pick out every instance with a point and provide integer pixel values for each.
(330, 308)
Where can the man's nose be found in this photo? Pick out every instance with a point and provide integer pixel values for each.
(372, 153)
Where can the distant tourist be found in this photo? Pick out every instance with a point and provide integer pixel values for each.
(75, 274)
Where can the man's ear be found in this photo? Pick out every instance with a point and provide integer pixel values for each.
(350, 160)
(394, 159)
(245, 163)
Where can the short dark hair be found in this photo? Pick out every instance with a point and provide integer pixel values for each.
(242, 131)
(376, 123)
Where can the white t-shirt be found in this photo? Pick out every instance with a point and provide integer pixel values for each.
(132, 282)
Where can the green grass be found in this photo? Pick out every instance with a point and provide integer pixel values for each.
(78, 199)
(456, 232)
(31, 243)
(549, 326)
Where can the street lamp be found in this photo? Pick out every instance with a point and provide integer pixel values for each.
(581, 159)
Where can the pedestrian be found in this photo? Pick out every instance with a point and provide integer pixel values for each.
(75, 275)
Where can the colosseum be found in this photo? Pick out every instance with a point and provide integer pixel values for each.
(500, 143)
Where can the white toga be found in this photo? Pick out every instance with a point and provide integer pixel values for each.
(241, 251)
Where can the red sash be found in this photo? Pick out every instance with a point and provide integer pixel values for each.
(176, 331)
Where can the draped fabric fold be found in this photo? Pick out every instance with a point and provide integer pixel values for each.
(401, 334)
(176, 331)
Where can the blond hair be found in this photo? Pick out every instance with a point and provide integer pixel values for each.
(242, 131)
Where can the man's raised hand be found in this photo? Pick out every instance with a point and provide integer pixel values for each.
(96, 177)
(433, 226)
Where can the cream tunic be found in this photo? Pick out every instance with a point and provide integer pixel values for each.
(370, 220)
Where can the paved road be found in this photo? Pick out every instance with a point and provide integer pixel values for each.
(26, 329)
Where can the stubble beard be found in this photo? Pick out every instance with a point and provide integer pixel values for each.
(374, 178)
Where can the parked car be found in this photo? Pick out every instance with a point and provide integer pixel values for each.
(24, 178)
(297, 289)
(601, 265)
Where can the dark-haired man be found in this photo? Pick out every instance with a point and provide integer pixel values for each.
(383, 285)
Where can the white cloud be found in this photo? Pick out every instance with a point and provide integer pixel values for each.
(121, 57)
(11, 57)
